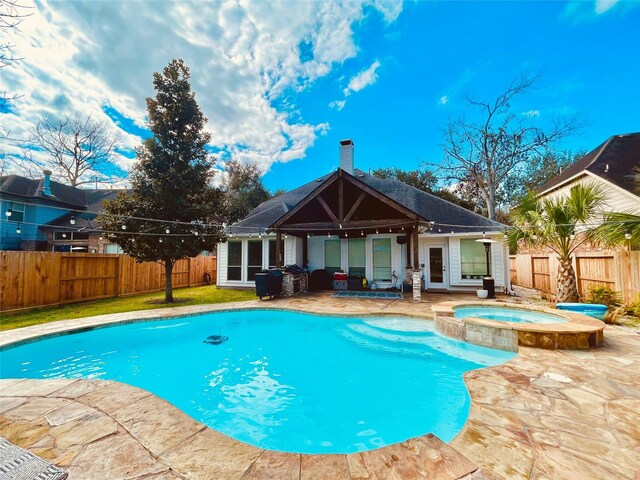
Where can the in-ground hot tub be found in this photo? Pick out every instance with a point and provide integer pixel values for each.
(506, 326)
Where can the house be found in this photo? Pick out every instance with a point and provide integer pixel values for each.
(363, 225)
(42, 214)
(609, 165)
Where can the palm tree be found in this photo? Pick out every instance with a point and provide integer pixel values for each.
(561, 224)
(622, 228)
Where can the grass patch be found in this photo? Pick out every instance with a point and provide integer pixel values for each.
(188, 296)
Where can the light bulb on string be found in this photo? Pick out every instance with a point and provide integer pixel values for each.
(167, 231)
(18, 230)
(377, 231)
(124, 227)
(64, 235)
(8, 212)
(72, 220)
(160, 240)
(627, 235)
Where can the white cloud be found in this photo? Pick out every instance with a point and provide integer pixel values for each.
(363, 79)
(243, 56)
(532, 113)
(366, 77)
(604, 5)
(338, 104)
(443, 100)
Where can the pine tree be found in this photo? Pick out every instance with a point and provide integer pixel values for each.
(171, 181)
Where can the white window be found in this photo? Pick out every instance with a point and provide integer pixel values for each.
(16, 210)
(357, 263)
(112, 248)
(254, 264)
(332, 255)
(473, 259)
(234, 260)
(382, 259)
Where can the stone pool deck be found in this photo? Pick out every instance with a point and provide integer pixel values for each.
(543, 415)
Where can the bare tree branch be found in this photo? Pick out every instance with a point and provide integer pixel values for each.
(79, 149)
(485, 154)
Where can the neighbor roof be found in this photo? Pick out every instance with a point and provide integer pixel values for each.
(613, 160)
(425, 205)
(71, 197)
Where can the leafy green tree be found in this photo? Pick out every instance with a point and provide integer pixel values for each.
(170, 181)
(242, 190)
(561, 224)
(533, 174)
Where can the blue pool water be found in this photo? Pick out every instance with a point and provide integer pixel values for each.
(283, 381)
(506, 315)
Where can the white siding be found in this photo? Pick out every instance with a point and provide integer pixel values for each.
(498, 265)
(617, 199)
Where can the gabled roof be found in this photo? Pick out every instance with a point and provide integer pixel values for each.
(69, 197)
(613, 160)
(423, 204)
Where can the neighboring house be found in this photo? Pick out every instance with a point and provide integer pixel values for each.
(610, 165)
(363, 225)
(41, 212)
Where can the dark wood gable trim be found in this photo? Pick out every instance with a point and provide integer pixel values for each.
(340, 176)
(322, 187)
(382, 197)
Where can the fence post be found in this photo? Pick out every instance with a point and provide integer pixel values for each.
(189, 272)
(118, 275)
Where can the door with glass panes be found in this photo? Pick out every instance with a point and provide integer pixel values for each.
(436, 275)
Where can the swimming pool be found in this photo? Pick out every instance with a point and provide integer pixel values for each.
(282, 380)
(506, 314)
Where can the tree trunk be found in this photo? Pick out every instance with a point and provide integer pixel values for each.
(168, 288)
(567, 285)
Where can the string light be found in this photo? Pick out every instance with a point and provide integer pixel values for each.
(72, 220)
(64, 235)
(362, 233)
(160, 240)
(328, 235)
(8, 212)
(627, 235)
(484, 234)
(389, 230)
(308, 235)
(18, 229)
(195, 232)
(167, 231)
(346, 234)
(377, 231)
(124, 227)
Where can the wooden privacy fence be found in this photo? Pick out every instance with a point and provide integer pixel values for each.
(35, 279)
(618, 270)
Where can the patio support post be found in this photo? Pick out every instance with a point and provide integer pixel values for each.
(305, 251)
(417, 281)
(278, 249)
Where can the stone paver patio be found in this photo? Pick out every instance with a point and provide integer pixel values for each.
(542, 415)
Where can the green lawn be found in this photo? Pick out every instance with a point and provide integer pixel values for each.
(195, 296)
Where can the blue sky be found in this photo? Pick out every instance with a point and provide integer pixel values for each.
(282, 83)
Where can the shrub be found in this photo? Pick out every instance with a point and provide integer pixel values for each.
(605, 296)
(634, 308)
